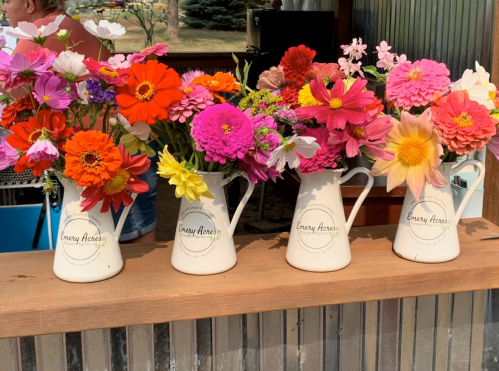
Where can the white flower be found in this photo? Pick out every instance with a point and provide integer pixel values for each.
(105, 30)
(140, 129)
(287, 152)
(70, 65)
(476, 91)
(62, 35)
(484, 78)
(83, 92)
(28, 31)
(118, 61)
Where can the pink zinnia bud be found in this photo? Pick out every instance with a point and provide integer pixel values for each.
(8, 154)
(42, 150)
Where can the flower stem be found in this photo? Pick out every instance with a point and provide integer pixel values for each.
(100, 50)
(170, 135)
(210, 166)
(161, 144)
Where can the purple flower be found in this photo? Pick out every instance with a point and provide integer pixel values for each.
(42, 150)
(98, 95)
(51, 90)
(8, 154)
(224, 132)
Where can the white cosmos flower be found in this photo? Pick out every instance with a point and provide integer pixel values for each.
(83, 92)
(485, 81)
(105, 30)
(28, 31)
(470, 83)
(70, 65)
(287, 152)
(140, 129)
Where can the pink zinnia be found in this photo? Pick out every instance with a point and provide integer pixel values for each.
(337, 106)
(224, 132)
(191, 75)
(272, 79)
(416, 84)
(370, 134)
(196, 98)
(462, 124)
(51, 91)
(42, 150)
(48, 56)
(329, 71)
(159, 49)
(8, 154)
(328, 156)
(104, 71)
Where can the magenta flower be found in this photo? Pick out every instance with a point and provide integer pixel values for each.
(3, 41)
(159, 49)
(196, 98)
(191, 75)
(224, 132)
(22, 69)
(50, 90)
(328, 156)
(493, 146)
(369, 134)
(8, 154)
(42, 150)
(337, 106)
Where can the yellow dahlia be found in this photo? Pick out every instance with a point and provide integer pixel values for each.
(190, 185)
(306, 98)
(417, 154)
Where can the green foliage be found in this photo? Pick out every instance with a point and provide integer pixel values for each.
(227, 15)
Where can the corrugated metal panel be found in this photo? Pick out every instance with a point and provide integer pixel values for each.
(455, 32)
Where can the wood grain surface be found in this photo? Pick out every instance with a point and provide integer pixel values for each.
(34, 302)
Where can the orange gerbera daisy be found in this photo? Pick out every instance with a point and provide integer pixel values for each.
(26, 133)
(17, 111)
(221, 82)
(92, 159)
(148, 93)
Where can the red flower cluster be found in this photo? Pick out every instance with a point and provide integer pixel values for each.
(297, 63)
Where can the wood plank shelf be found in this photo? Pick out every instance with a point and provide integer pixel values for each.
(33, 301)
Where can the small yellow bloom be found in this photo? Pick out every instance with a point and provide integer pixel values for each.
(495, 115)
(76, 17)
(305, 97)
(190, 185)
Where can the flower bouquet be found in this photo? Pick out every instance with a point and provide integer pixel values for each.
(436, 122)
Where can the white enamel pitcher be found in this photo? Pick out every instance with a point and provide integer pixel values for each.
(318, 240)
(203, 240)
(87, 242)
(427, 230)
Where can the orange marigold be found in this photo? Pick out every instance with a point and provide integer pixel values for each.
(221, 82)
(148, 93)
(92, 159)
(15, 112)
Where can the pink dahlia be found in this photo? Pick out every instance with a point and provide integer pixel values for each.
(8, 154)
(224, 132)
(195, 99)
(191, 75)
(158, 49)
(272, 79)
(369, 134)
(328, 156)
(416, 84)
(337, 106)
(462, 124)
(329, 71)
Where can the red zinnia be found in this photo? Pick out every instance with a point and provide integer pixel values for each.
(297, 63)
(115, 190)
(290, 95)
(17, 111)
(26, 133)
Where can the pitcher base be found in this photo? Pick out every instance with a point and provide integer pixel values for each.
(318, 269)
(424, 257)
(94, 278)
(203, 272)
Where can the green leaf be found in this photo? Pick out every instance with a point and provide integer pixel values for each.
(235, 58)
(371, 70)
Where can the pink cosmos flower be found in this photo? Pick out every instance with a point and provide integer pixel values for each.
(370, 134)
(493, 146)
(104, 71)
(272, 79)
(159, 49)
(224, 132)
(8, 154)
(416, 84)
(195, 99)
(383, 49)
(42, 150)
(191, 75)
(118, 61)
(21, 68)
(329, 71)
(328, 156)
(337, 106)
(51, 91)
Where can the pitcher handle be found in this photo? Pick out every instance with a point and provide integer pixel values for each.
(473, 187)
(242, 204)
(362, 196)
(121, 222)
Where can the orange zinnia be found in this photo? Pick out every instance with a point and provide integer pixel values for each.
(148, 93)
(14, 113)
(221, 82)
(92, 159)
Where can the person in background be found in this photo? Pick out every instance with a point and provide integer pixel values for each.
(140, 225)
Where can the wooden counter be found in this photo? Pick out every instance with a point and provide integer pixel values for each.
(33, 301)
